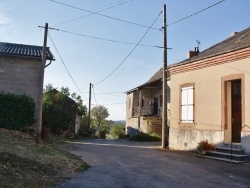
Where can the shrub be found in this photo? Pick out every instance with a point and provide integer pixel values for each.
(16, 111)
(118, 131)
(204, 145)
(143, 137)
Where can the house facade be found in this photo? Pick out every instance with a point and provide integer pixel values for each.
(210, 95)
(144, 106)
(20, 68)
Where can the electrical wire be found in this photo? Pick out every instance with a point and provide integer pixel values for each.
(103, 15)
(130, 51)
(66, 66)
(195, 13)
(109, 40)
(78, 18)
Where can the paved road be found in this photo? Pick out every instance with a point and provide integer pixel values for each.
(125, 164)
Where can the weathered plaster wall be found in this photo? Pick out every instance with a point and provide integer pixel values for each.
(129, 105)
(245, 142)
(187, 139)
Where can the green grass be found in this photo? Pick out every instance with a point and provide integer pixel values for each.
(143, 137)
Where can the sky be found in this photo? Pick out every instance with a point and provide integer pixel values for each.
(80, 27)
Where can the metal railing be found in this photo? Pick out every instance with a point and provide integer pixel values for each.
(232, 139)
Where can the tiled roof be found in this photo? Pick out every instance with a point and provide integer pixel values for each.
(12, 49)
(236, 42)
(152, 81)
(157, 76)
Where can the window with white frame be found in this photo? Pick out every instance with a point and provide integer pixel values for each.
(187, 104)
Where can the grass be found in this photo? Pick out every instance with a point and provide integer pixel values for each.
(23, 163)
(143, 137)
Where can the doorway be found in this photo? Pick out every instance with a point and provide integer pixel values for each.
(236, 110)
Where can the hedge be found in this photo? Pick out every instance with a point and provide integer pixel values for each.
(16, 111)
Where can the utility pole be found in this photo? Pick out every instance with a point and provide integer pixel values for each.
(165, 128)
(40, 95)
(89, 104)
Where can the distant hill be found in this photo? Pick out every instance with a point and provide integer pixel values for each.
(119, 122)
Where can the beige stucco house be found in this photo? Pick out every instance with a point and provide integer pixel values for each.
(144, 106)
(210, 95)
(20, 68)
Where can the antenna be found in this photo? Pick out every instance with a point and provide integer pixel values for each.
(198, 45)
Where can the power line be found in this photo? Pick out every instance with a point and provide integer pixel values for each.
(65, 66)
(65, 22)
(109, 40)
(130, 51)
(196, 13)
(106, 16)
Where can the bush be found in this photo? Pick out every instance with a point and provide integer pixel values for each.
(17, 111)
(204, 145)
(118, 131)
(143, 137)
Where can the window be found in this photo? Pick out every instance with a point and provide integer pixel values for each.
(187, 104)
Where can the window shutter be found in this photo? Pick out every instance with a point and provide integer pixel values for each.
(187, 104)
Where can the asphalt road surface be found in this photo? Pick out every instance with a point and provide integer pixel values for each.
(126, 164)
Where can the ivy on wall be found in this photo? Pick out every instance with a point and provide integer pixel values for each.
(16, 111)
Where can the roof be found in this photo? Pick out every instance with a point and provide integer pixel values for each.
(11, 49)
(152, 81)
(236, 42)
(157, 76)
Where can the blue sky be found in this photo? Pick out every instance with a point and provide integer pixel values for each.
(90, 60)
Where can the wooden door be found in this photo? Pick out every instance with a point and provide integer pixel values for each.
(236, 111)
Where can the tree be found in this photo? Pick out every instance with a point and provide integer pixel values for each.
(59, 109)
(99, 115)
(118, 131)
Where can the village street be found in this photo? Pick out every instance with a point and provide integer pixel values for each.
(120, 163)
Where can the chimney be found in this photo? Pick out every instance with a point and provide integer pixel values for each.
(233, 33)
(193, 53)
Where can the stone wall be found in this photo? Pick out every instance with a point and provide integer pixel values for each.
(20, 76)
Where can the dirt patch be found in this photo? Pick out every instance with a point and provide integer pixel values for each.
(23, 163)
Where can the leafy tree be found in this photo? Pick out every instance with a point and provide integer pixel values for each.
(59, 110)
(118, 131)
(99, 115)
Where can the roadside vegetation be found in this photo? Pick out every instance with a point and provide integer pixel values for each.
(143, 137)
(24, 164)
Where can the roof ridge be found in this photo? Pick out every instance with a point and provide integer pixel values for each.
(227, 39)
(225, 46)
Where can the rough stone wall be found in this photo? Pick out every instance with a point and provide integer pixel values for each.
(20, 76)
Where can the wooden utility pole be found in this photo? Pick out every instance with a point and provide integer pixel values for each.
(40, 95)
(165, 128)
(89, 104)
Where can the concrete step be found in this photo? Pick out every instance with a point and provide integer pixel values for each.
(236, 157)
(234, 145)
(222, 159)
(224, 149)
